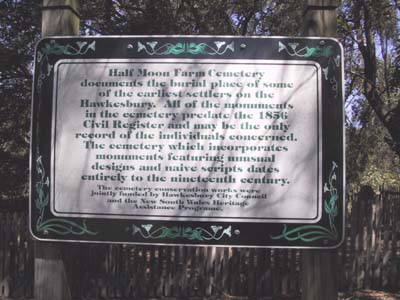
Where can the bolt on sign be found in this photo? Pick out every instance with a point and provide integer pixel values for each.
(183, 140)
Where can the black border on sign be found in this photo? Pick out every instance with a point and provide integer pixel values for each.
(43, 224)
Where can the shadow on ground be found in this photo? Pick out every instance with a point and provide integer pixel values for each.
(370, 295)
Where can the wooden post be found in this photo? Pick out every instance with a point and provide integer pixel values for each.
(319, 274)
(50, 276)
(320, 18)
(59, 17)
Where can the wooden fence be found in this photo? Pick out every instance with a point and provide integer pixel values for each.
(371, 255)
(16, 250)
(369, 258)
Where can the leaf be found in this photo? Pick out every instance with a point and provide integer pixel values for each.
(327, 208)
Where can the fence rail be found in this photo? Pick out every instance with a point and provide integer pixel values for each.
(369, 258)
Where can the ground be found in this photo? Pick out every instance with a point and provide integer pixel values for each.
(370, 295)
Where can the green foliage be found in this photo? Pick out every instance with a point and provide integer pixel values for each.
(370, 140)
(162, 17)
(369, 159)
(19, 23)
(119, 17)
(200, 17)
(370, 36)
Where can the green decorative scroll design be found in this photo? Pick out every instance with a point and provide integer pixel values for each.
(152, 48)
(292, 50)
(148, 231)
(333, 61)
(58, 226)
(311, 233)
(53, 48)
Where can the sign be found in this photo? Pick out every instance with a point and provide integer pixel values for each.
(189, 141)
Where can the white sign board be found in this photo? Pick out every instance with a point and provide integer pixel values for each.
(178, 138)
